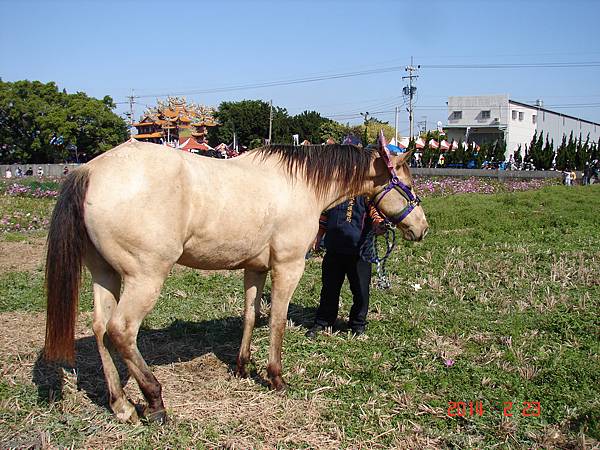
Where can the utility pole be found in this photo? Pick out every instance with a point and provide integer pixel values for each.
(410, 92)
(131, 112)
(270, 120)
(396, 124)
(366, 136)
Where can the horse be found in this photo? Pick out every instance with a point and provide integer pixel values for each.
(134, 212)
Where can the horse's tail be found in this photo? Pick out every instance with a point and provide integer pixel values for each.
(67, 239)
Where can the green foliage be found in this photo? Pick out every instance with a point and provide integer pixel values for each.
(517, 156)
(333, 130)
(249, 119)
(541, 155)
(561, 155)
(32, 113)
(497, 151)
(308, 126)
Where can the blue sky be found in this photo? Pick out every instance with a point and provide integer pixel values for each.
(159, 47)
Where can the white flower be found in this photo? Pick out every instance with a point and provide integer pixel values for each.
(417, 287)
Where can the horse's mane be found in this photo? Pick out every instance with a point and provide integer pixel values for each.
(320, 165)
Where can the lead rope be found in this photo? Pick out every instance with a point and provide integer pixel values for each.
(370, 252)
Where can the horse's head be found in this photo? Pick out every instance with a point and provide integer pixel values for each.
(393, 195)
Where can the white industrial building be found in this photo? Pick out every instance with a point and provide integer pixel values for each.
(485, 118)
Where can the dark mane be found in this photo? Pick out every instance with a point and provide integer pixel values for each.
(321, 165)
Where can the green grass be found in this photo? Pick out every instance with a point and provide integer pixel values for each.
(510, 292)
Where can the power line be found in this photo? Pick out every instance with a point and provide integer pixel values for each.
(312, 79)
(513, 65)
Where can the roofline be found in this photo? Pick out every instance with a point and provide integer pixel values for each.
(497, 125)
(540, 108)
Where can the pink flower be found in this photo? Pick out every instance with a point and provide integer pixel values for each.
(448, 362)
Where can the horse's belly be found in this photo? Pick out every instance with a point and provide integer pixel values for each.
(225, 255)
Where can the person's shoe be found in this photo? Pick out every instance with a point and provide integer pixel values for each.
(358, 331)
(312, 332)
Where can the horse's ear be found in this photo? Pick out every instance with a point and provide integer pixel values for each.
(404, 158)
(381, 141)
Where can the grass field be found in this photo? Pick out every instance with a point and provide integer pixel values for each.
(507, 312)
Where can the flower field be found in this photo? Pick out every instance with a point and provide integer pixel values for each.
(16, 219)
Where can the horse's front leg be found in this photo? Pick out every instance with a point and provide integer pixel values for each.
(254, 282)
(285, 277)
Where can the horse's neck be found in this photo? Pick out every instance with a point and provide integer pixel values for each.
(338, 193)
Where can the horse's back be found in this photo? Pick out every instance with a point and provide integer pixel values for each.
(135, 207)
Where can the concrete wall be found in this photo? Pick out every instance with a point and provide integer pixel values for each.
(50, 170)
(56, 170)
(500, 174)
(520, 131)
(557, 125)
(472, 107)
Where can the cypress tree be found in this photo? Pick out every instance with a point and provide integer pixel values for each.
(571, 152)
(561, 154)
(517, 156)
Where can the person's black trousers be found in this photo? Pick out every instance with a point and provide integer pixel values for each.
(335, 268)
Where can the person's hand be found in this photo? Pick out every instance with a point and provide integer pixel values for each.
(316, 244)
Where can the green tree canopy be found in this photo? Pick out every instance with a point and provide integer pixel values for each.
(40, 124)
(249, 119)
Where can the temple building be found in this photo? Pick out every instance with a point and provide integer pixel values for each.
(173, 120)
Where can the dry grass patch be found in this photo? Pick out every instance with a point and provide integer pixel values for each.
(22, 256)
(198, 391)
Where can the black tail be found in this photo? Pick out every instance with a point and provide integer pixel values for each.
(67, 238)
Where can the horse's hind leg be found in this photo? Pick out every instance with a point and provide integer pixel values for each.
(254, 282)
(107, 285)
(138, 298)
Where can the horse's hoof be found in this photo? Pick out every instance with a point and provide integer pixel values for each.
(126, 412)
(278, 385)
(159, 417)
(241, 372)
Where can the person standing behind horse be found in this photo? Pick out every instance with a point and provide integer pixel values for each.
(346, 228)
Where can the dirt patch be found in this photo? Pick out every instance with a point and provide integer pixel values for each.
(199, 391)
(22, 256)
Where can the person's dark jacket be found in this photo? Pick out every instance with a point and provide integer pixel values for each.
(347, 226)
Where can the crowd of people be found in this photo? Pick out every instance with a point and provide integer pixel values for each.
(19, 173)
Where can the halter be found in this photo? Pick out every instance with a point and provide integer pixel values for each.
(412, 201)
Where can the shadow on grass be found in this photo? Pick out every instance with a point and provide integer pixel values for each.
(181, 341)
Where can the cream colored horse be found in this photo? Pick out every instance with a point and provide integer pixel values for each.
(137, 210)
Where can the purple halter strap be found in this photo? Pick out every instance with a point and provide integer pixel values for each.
(412, 201)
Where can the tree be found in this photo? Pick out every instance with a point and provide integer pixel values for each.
(39, 123)
(561, 155)
(308, 126)
(247, 119)
(331, 129)
(547, 154)
(541, 155)
(517, 156)
(497, 150)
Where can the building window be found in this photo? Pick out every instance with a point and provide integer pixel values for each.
(485, 114)
(514, 115)
(533, 119)
(457, 115)
(521, 115)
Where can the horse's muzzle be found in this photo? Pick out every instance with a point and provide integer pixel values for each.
(410, 235)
